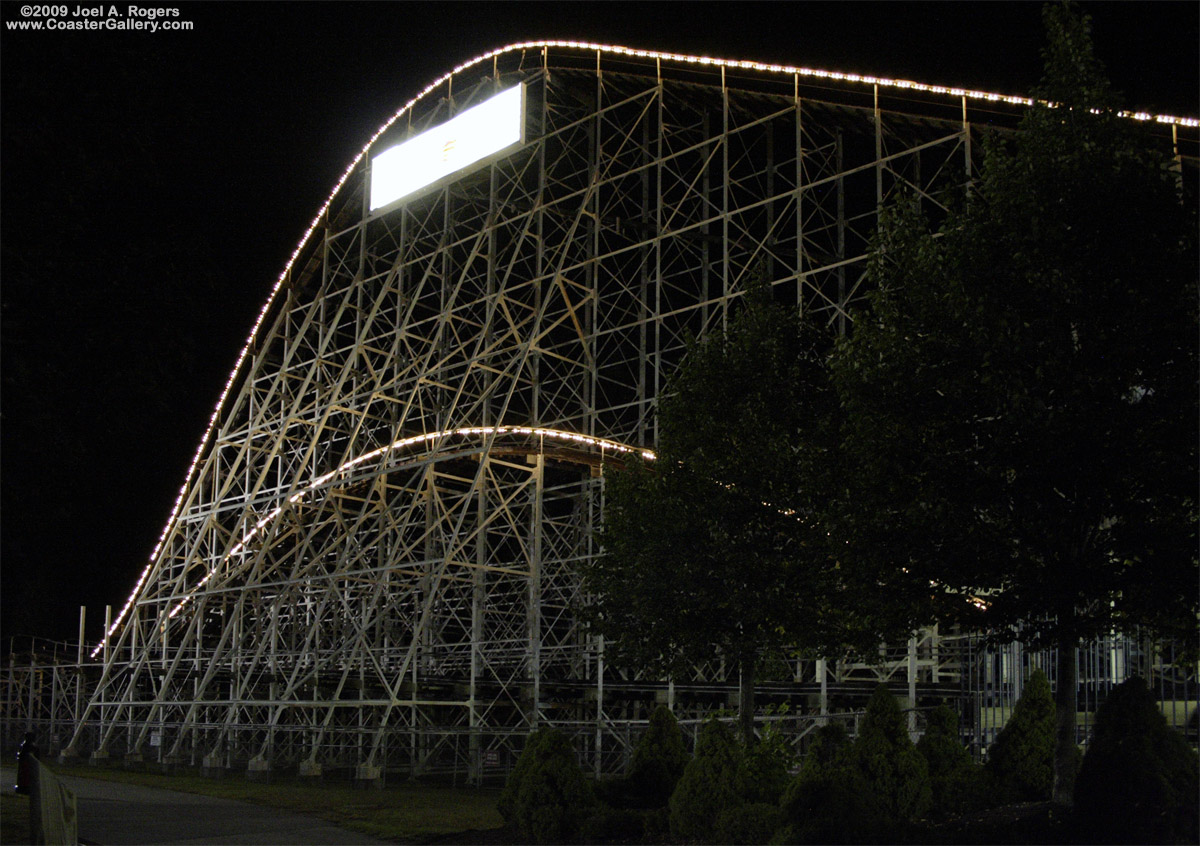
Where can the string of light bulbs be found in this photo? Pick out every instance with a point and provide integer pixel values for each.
(605, 445)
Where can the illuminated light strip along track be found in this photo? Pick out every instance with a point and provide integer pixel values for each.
(706, 61)
(466, 431)
(604, 444)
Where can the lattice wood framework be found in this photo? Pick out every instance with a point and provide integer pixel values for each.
(372, 562)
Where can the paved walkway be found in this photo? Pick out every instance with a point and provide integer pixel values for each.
(111, 813)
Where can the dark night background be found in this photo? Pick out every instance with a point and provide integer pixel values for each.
(152, 186)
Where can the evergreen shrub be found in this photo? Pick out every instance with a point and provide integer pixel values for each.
(829, 801)
(754, 822)
(614, 792)
(547, 796)
(1138, 782)
(1021, 761)
(708, 785)
(658, 762)
(762, 773)
(955, 778)
(656, 825)
(895, 772)
(614, 825)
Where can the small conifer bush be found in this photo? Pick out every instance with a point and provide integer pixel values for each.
(1138, 782)
(752, 823)
(547, 796)
(830, 747)
(763, 771)
(614, 825)
(658, 761)
(708, 785)
(829, 801)
(1021, 761)
(955, 778)
(889, 762)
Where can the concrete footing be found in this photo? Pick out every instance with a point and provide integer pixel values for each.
(259, 769)
(367, 777)
(213, 766)
(172, 764)
(68, 756)
(310, 770)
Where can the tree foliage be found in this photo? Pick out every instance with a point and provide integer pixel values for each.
(1025, 381)
(1021, 399)
(1138, 782)
(717, 549)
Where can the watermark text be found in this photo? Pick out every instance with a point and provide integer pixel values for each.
(75, 17)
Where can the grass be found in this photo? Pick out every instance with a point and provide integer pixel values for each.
(405, 813)
(14, 818)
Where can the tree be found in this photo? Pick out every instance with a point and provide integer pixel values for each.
(716, 550)
(1021, 398)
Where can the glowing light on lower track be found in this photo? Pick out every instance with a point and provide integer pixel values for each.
(603, 444)
(765, 67)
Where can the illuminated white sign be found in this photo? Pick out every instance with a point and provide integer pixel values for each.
(480, 131)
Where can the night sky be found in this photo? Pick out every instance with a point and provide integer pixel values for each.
(152, 186)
